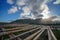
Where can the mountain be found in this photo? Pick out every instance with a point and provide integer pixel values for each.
(31, 21)
(26, 21)
(36, 21)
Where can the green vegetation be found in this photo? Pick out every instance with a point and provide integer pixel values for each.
(17, 33)
(8, 27)
(57, 33)
(5, 37)
(44, 35)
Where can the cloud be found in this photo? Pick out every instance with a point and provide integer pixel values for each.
(46, 12)
(10, 1)
(20, 2)
(37, 7)
(33, 8)
(12, 10)
(57, 19)
(56, 2)
(25, 13)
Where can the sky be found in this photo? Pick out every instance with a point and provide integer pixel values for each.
(21, 9)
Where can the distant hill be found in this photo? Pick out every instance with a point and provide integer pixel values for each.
(2, 23)
(26, 21)
(31, 21)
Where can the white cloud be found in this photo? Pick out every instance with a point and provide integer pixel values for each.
(33, 7)
(26, 9)
(20, 2)
(46, 12)
(56, 2)
(10, 1)
(57, 19)
(12, 10)
(37, 7)
(25, 13)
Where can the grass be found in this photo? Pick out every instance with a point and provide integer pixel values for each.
(17, 33)
(57, 33)
(8, 27)
(5, 37)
